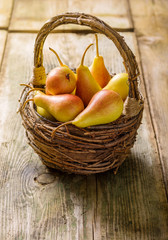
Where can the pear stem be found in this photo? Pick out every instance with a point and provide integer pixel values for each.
(28, 100)
(26, 85)
(61, 125)
(82, 60)
(59, 60)
(97, 47)
(34, 89)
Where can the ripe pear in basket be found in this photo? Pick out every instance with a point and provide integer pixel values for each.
(60, 79)
(83, 150)
(98, 69)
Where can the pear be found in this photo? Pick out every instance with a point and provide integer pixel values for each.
(63, 107)
(86, 85)
(105, 106)
(74, 92)
(60, 79)
(98, 69)
(119, 84)
(41, 111)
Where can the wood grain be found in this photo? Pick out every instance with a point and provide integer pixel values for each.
(5, 12)
(31, 15)
(38, 203)
(153, 44)
(3, 36)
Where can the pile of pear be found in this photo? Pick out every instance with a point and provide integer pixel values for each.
(86, 98)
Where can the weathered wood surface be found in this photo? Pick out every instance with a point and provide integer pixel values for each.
(5, 12)
(3, 35)
(36, 203)
(31, 15)
(151, 23)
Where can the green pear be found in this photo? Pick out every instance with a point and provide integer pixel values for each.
(98, 69)
(60, 79)
(119, 84)
(105, 106)
(86, 85)
(63, 107)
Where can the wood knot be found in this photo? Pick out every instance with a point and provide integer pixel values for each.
(44, 179)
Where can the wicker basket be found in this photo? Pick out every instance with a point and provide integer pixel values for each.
(93, 149)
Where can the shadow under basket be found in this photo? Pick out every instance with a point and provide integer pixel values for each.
(88, 150)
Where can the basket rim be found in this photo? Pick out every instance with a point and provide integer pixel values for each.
(125, 117)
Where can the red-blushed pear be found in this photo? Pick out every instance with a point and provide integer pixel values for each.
(98, 69)
(119, 84)
(41, 111)
(63, 107)
(60, 79)
(105, 106)
(86, 85)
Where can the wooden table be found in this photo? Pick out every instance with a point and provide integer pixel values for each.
(37, 203)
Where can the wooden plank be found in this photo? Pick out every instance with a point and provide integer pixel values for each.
(31, 15)
(3, 35)
(152, 32)
(37, 203)
(5, 12)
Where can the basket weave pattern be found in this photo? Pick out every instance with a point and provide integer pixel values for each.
(93, 149)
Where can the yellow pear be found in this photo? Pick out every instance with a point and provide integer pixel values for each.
(41, 111)
(119, 84)
(74, 92)
(98, 69)
(86, 85)
(105, 106)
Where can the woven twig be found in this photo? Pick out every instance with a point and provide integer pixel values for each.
(93, 149)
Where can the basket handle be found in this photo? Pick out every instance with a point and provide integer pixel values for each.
(97, 25)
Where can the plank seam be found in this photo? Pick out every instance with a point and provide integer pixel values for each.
(7, 29)
(130, 14)
(11, 13)
(3, 53)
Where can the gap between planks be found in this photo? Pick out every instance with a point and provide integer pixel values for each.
(4, 38)
(7, 31)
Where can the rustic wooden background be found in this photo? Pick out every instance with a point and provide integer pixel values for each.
(37, 203)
